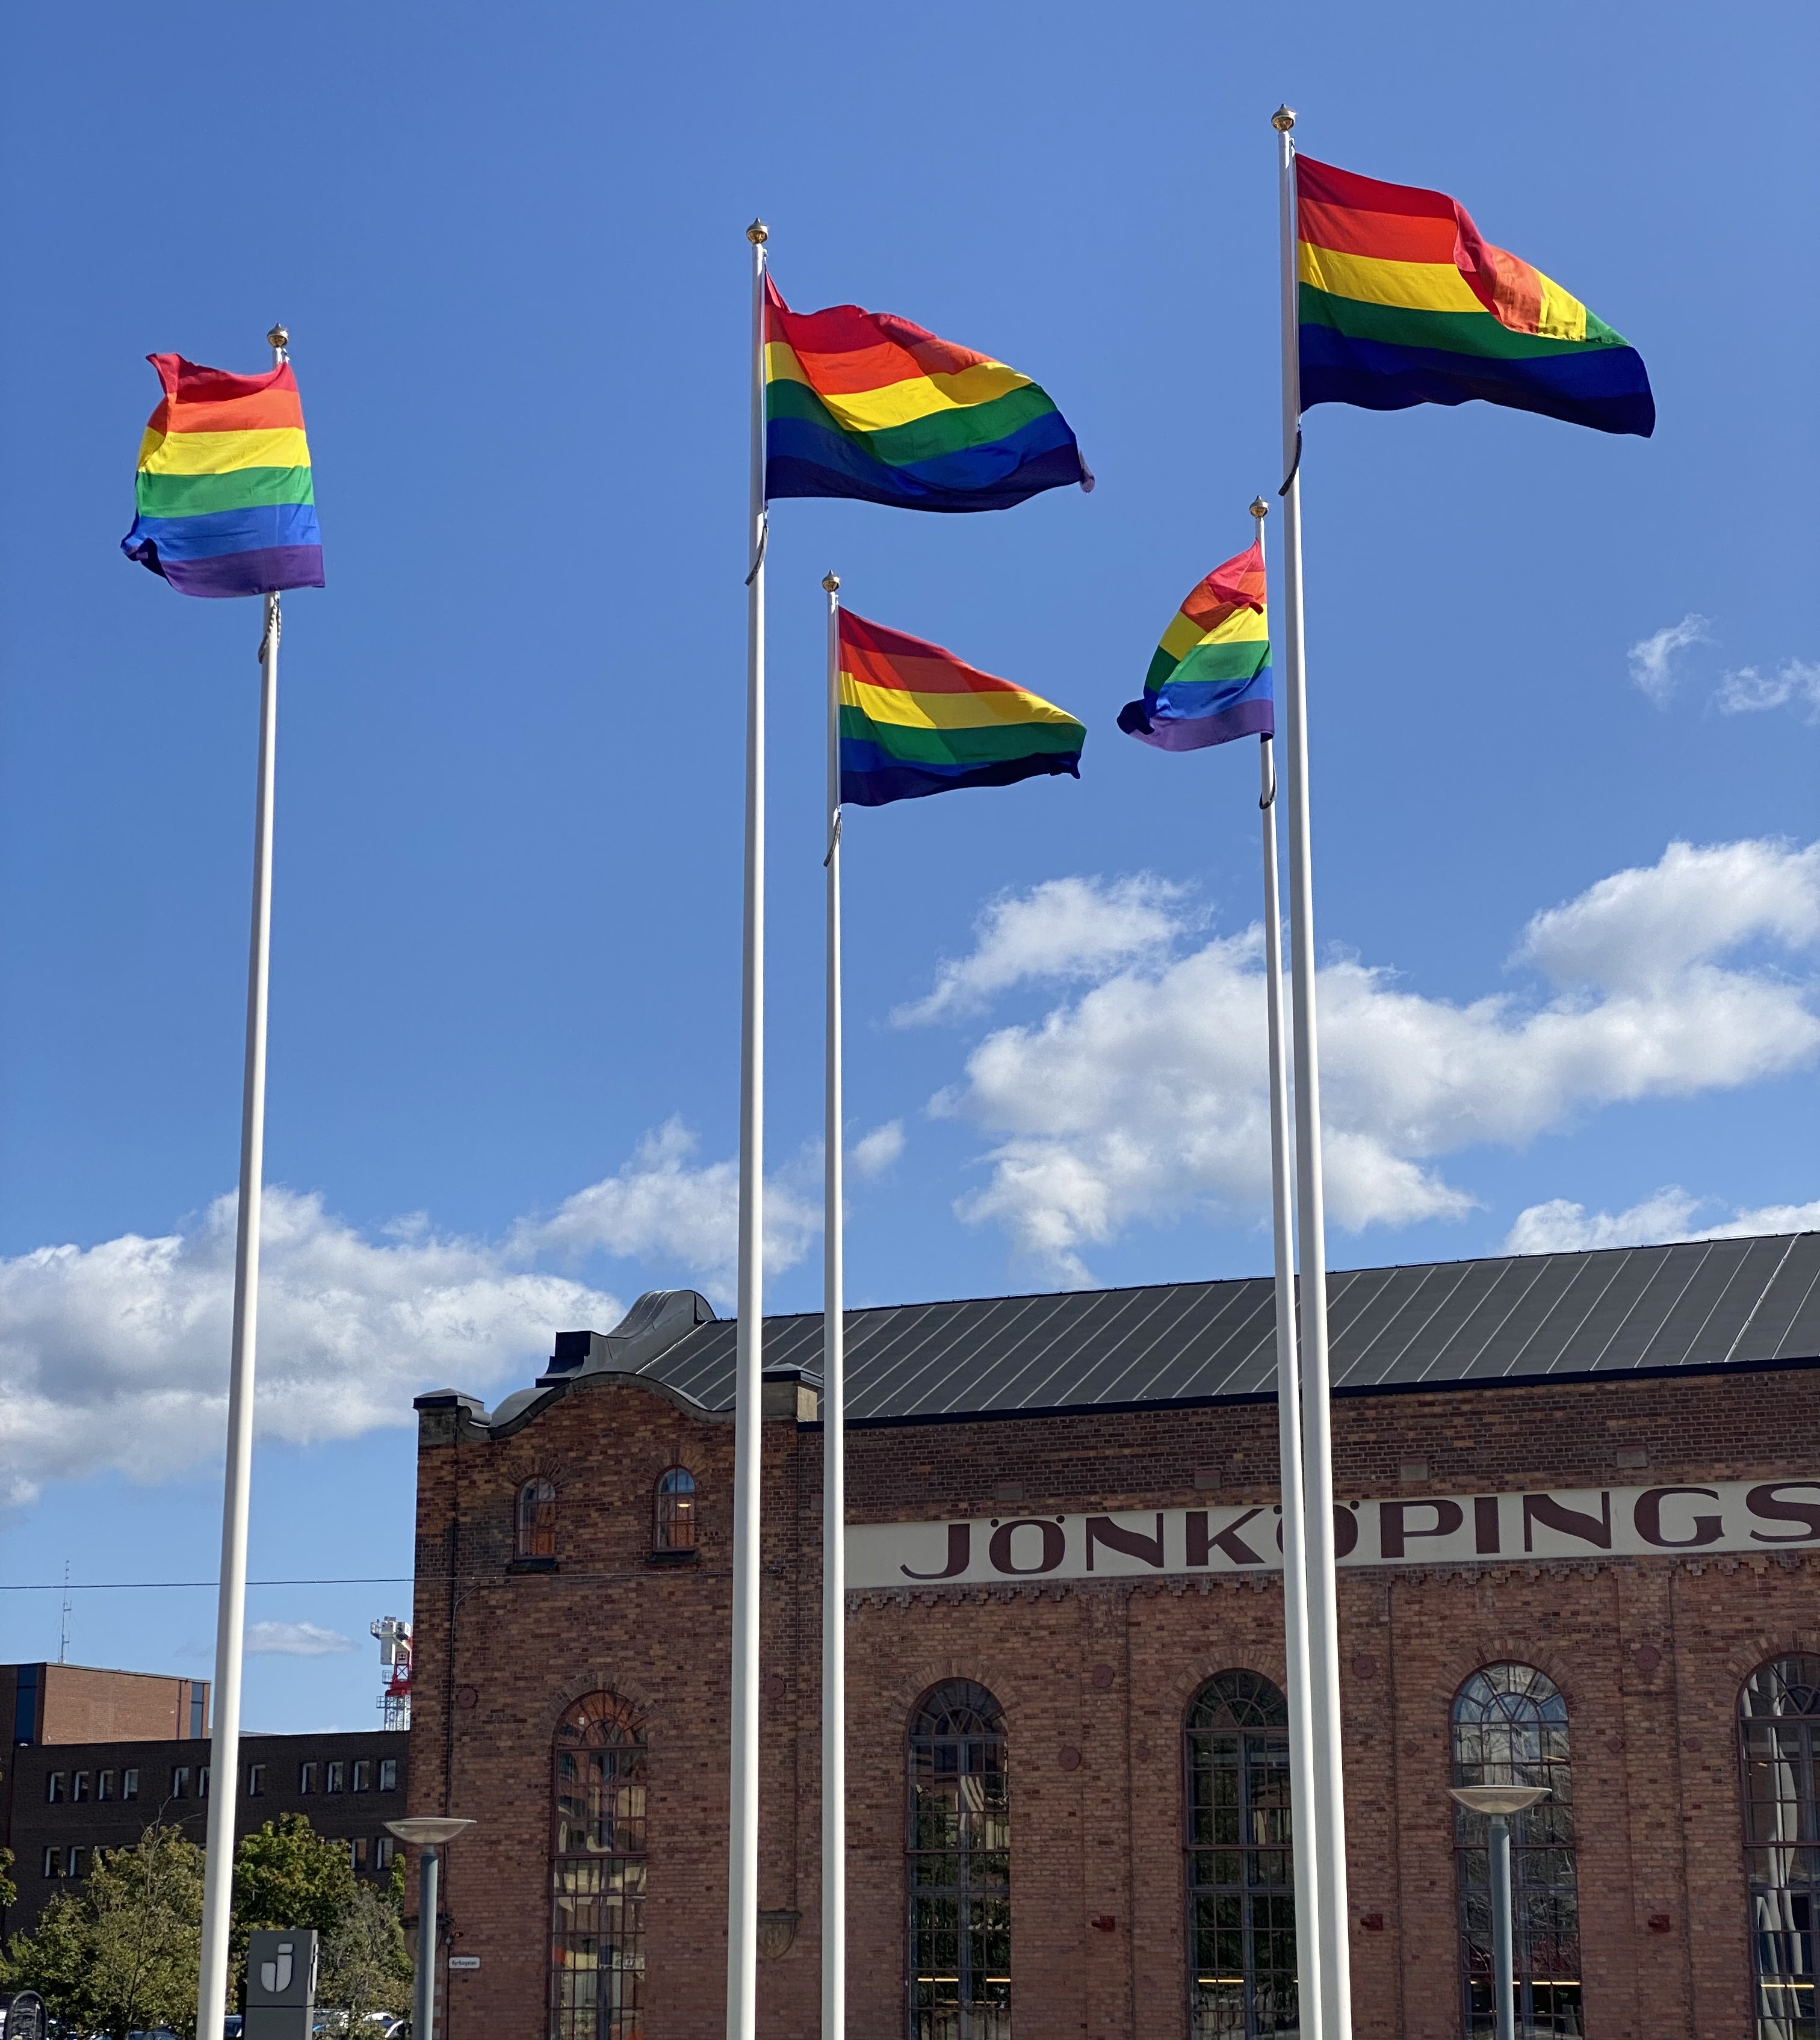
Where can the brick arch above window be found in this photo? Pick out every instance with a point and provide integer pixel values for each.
(1177, 1692)
(904, 1695)
(602, 1700)
(1748, 1658)
(1484, 1653)
(602, 1716)
(1239, 1698)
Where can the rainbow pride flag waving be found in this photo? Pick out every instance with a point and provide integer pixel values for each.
(863, 403)
(226, 502)
(915, 720)
(1403, 302)
(1210, 680)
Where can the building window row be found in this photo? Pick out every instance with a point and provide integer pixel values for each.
(76, 1786)
(674, 1501)
(191, 1781)
(335, 1775)
(1509, 1725)
(67, 1861)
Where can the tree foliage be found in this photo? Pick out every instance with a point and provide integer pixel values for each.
(366, 1966)
(286, 1874)
(123, 1952)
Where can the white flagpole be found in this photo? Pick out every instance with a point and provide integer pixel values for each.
(1302, 1788)
(231, 1607)
(742, 1840)
(833, 1419)
(1329, 1822)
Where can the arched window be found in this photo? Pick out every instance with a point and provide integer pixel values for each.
(597, 1874)
(1510, 1728)
(1778, 1732)
(1241, 1879)
(536, 1535)
(674, 1527)
(959, 1839)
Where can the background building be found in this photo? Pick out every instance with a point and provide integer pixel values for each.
(65, 1795)
(1580, 1518)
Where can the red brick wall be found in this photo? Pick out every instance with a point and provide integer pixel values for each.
(85, 1705)
(1653, 1736)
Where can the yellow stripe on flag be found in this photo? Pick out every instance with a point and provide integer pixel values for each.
(980, 711)
(221, 453)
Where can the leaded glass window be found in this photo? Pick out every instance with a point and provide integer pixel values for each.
(597, 1871)
(1241, 1875)
(959, 1832)
(1778, 1730)
(1510, 1728)
(675, 1511)
(536, 1526)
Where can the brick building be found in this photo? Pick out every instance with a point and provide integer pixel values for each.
(1579, 1516)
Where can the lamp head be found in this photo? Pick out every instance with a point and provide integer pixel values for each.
(428, 1830)
(1499, 1798)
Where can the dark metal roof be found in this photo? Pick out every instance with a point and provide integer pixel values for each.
(1702, 1305)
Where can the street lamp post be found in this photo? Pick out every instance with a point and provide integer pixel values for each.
(1497, 1803)
(427, 1833)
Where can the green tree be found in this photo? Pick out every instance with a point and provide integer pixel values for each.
(286, 1874)
(8, 1891)
(124, 1951)
(366, 1966)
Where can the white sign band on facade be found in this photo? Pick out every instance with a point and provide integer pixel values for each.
(1403, 1530)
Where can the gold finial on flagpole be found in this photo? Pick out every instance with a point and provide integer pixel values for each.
(758, 233)
(831, 581)
(1260, 509)
(278, 339)
(1283, 119)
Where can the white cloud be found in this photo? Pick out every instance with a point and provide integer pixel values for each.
(1651, 657)
(875, 1152)
(1639, 930)
(662, 1207)
(1559, 1227)
(1748, 690)
(295, 1639)
(1063, 928)
(115, 1354)
(1143, 1098)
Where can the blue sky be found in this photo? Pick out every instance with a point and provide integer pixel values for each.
(506, 935)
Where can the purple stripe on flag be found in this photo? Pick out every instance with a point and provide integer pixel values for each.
(266, 571)
(1248, 718)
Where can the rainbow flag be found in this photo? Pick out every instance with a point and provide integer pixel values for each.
(226, 503)
(914, 720)
(861, 404)
(1210, 680)
(1402, 302)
